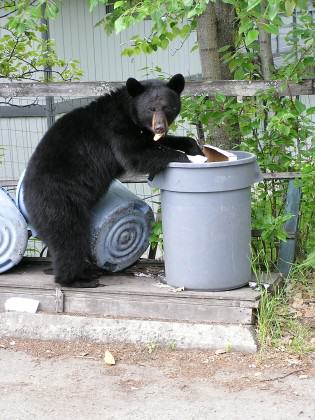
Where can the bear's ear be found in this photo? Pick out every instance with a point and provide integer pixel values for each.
(134, 87)
(177, 83)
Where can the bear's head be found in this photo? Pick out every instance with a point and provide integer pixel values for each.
(154, 104)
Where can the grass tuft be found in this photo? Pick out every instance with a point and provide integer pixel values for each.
(281, 319)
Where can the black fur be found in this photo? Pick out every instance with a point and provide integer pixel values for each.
(82, 153)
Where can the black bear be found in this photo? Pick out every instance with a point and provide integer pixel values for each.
(80, 155)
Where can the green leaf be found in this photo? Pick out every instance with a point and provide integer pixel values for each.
(188, 3)
(273, 9)
(36, 12)
(220, 97)
(245, 26)
(195, 47)
(251, 36)
(128, 52)
(225, 48)
(309, 61)
(302, 4)
(289, 6)
(270, 28)
(185, 31)
(311, 110)
(120, 24)
(239, 74)
(146, 48)
(252, 4)
(118, 4)
(51, 10)
(164, 43)
(191, 13)
(299, 106)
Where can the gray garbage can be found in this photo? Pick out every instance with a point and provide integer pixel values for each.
(120, 226)
(206, 222)
(13, 232)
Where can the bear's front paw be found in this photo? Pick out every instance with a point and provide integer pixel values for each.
(183, 158)
(193, 148)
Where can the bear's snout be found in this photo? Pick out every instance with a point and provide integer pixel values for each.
(159, 123)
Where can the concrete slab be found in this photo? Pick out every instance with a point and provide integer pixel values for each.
(46, 326)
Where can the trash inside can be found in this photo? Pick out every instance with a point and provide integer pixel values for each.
(120, 226)
(13, 232)
(206, 222)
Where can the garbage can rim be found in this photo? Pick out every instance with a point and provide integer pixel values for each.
(243, 159)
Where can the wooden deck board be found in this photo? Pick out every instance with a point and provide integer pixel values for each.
(135, 293)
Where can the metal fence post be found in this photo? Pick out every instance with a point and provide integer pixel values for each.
(287, 248)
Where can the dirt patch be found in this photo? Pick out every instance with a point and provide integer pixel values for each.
(236, 371)
(131, 384)
(302, 303)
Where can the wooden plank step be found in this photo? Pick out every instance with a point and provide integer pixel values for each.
(135, 293)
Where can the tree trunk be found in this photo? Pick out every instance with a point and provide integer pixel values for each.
(265, 50)
(225, 14)
(215, 29)
(208, 44)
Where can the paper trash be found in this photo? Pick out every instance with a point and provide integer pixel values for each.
(20, 304)
(212, 154)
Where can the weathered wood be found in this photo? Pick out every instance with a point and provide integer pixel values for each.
(142, 280)
(207, 87)
(36, 110)
(248, 88)
(59, 301)
(10, 183)
(281, 175)
(134, 306)
(134, 179)
(142, 179)
(127, 178)
(73, 89)
(23, 112)
(130, 295)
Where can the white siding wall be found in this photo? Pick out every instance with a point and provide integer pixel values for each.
(100, 55)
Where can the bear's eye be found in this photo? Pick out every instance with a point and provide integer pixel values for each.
(152, 108)
(167, 108)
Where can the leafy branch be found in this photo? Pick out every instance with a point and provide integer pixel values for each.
(24, 53)
(170, 19)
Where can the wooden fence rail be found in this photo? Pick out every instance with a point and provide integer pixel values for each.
(207, 87)
(142, 179)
